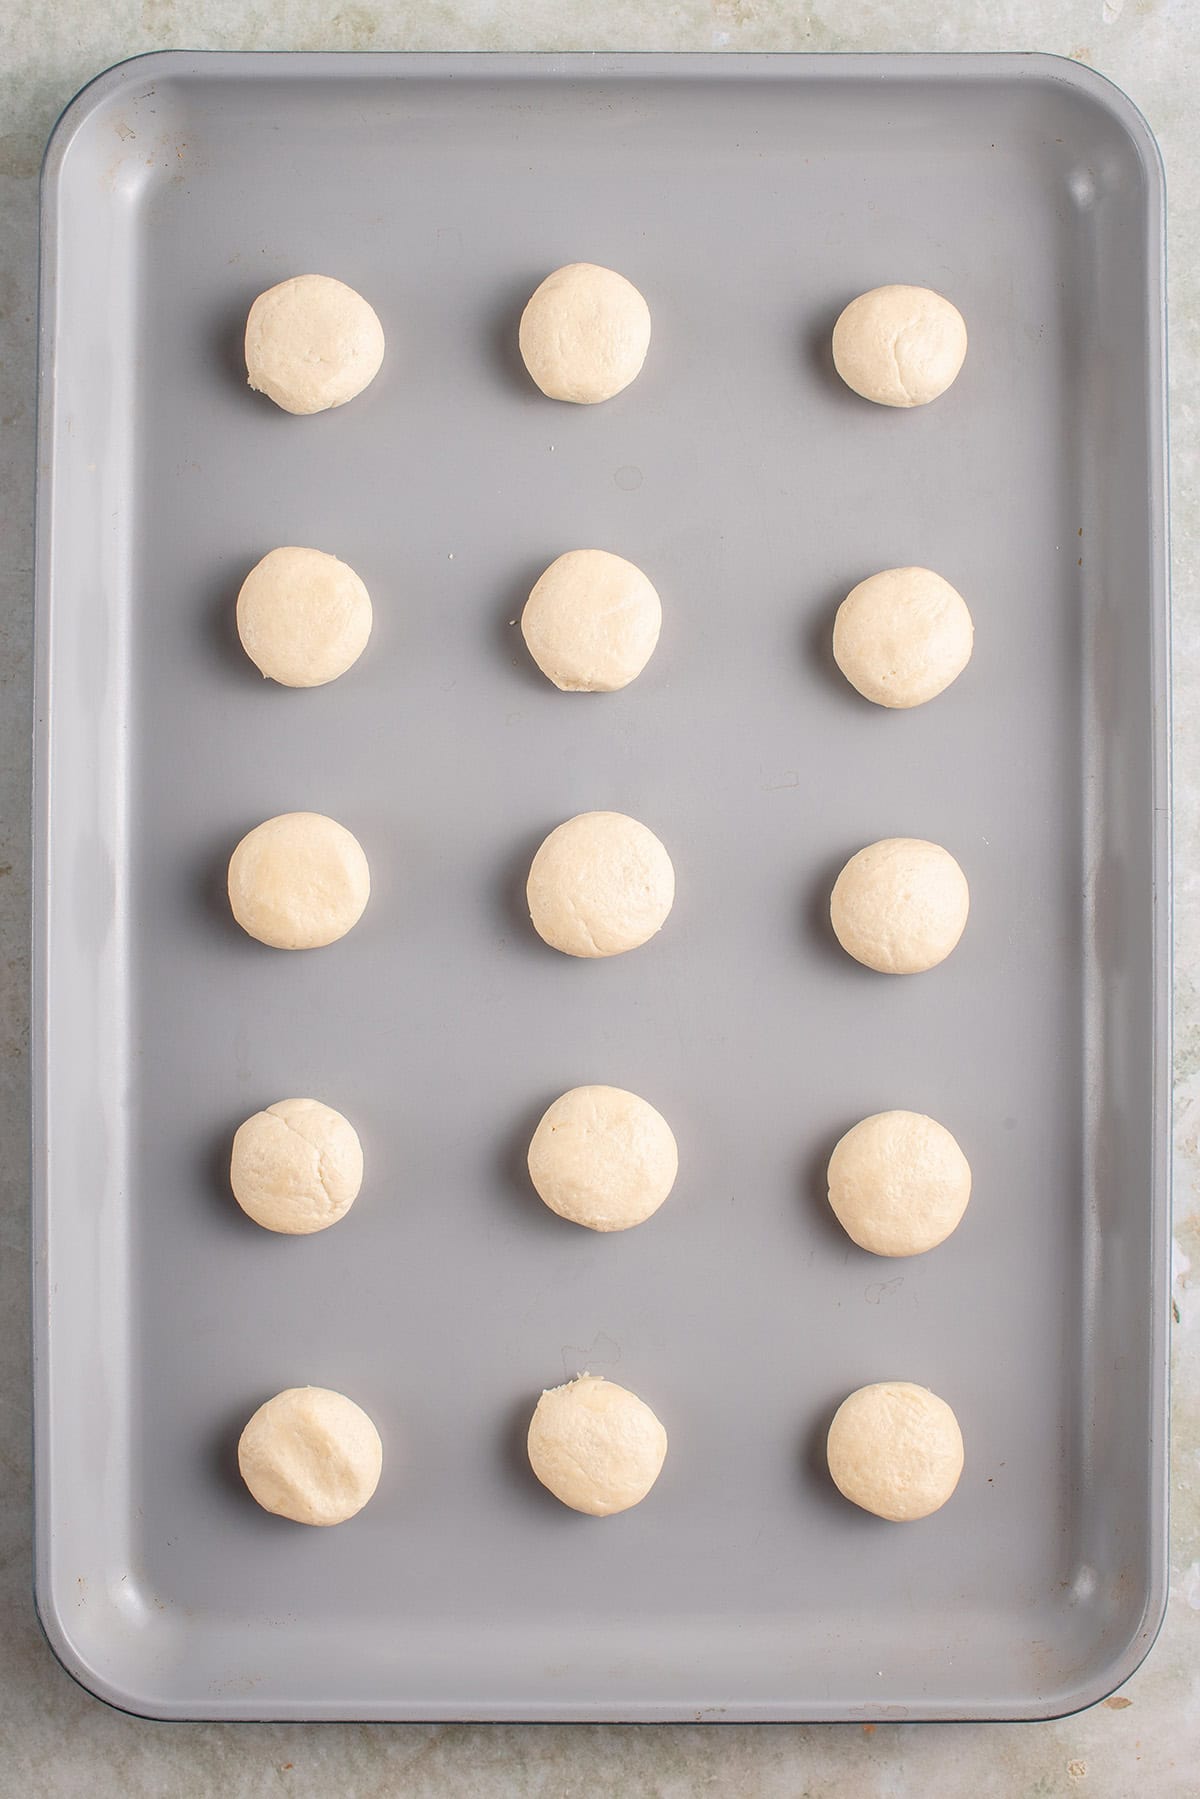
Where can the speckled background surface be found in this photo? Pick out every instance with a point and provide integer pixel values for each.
(55, 1739)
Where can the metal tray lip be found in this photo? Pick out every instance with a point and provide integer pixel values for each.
(829, 64)
(555, 64)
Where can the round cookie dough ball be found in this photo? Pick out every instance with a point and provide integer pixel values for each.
(600, 884)
(604, 1158)
(899, 346)
(298, 881)
(592, 621)
(896, 1450)
(900, 905)
(596, 1446)
(312, 343)
(303, 617)
(898, 1183)
(297, 1167)
(584, 333)
(902, 636)
(311, 1455)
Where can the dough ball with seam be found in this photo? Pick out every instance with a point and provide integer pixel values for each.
(298, 881)
(900, 905)
(312, 343)
(599, 885)
(311, 1455)
(898, 1183)
(584, 333)
(303, 617)
(596, 1446)
(296, 1167)
(603, 1158)
(902, 636)
(592, 621)
(895, 1449)
(899, 346)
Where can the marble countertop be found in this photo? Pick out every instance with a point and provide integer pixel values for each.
(55, 1738)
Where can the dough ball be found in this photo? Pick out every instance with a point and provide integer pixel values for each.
(899, 346)
(298, 881)
(902, 636)
(585, 333)
(898, 1183)
(592, 621)
(896, 1450)
(311, 1455)
(604, 1158)
(312, 343)
(900, 905)
(303, 617)
(597, 1447)
(297, 1167)
(600, 884)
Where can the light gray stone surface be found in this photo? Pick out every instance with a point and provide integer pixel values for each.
(55, 1739)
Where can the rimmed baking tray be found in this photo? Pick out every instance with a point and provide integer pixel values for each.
(749, 198)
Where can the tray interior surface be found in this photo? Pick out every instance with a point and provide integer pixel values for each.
(748, 199)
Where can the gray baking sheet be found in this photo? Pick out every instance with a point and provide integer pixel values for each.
(749, 198)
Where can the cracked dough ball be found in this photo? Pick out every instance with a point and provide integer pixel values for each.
(596, 1446)
(601, 884)
(902, 636)
(297, 1167)
(311, 1455)
(312, 343)
(896, 1450)
(899, 346)
(604, 1158)
(585, 333)
(298, 881)
(900, 905)
(303, 617)
(899, 1183)
(592, 621)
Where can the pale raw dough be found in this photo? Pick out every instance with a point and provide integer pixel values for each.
(312, 343)
(899, 346)
(896, 1450)
(312, 1455)
(585, 333)
(592, 621)
(899, 1183)
(600, 884)
(298, 881)
(596, 1446)
(900, 905)
(297, 1167)
(902, 636)
(303, 617)
(603, 1157)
